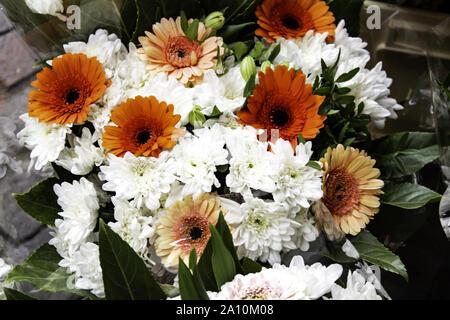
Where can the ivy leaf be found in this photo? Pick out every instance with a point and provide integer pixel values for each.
(42, 270)
(40, 202)
(408, 196)
(374, 252)
(125, 275)
(12, 294)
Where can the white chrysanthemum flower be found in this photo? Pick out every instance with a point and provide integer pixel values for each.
(251, 165)
(351, 47)
(134, 226)
(86, 269)
(140, 179)
(81, 158)
(297, 184)
(197, 158)
(357, 288)
(46, 141)
(306, 53)
(52, 7)
(305, 231)
(225, 92)
(317, 278)
(107, 48)
(372, 88)
(264, 285)
(4, 270)
(296, 282)
(261, 229)
(80, 211)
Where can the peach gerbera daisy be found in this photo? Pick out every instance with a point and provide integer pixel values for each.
(169, 50)
(144, 127)
(283, 104)
(350, 188)
(66, 91)
(292, 19)
(185, 226)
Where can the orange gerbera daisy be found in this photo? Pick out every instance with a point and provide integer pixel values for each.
(145, 127)
(67, 89)
(168, 50)
(283, 104)
(350, 189)
(292, 19)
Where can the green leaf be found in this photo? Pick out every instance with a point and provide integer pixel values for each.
(186, 282)
(314, 165)
(332, 112)
(240, 49)
(205, 268)
(222, 261)
(408, 196)
(40, 202)
(41, 269)
(250, 266)
(215, 113)
(193, 259)
(301, 139)
(404, 153)
(323, 91)
(250, 86)
(374, 252)
(275, 53)
(347, 76)
(184, 22)
(169, 290)
(345, 100)
(232, 32)
(333, 251)
(343, 90)
(257, 51)
(192, 31)
(12, 294)
(63, 174)
(224, 231)
(125, 275)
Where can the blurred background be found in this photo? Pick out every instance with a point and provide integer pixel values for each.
(413, 42)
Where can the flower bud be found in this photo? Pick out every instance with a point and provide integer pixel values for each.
(196, 117)
(266, 64)
(215, 20)
(248, 68)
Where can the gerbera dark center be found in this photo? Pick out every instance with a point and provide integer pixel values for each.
(181, 53)
(72, 96)
(280, 117)
(291, 23)
(143, 137)
(195, 233)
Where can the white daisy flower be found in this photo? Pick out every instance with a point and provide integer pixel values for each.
(52, 7)
(261, 229)
(142, 180)
(357, 288)
(297, 184)
(46, 141)
(81, 158)
(135, 226)
(197, 159)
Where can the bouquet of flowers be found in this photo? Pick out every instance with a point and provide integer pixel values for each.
(197, 149)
